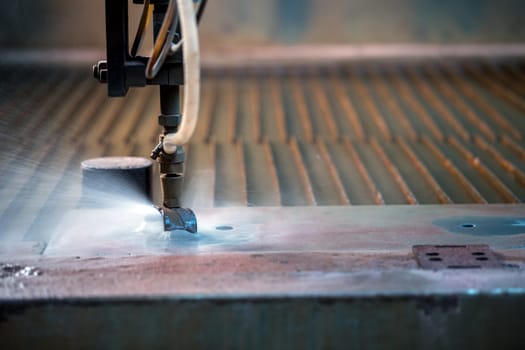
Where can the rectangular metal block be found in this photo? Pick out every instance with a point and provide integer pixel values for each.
(439, 257)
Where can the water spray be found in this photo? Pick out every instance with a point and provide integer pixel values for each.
(124, 183)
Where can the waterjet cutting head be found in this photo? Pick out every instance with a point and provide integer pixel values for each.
(179, 219)
(174, 27)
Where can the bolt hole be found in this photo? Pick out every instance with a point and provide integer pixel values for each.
(482, 258)
(224, 228)
(435, 259)
(478, 253)
(468, 225)
(432, 254)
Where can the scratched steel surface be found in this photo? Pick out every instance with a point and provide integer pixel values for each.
(431, 132)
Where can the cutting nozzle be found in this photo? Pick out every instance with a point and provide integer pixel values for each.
(179, 219)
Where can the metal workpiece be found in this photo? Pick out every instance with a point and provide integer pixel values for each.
(179, 219)
(369, 230)
(348, 271)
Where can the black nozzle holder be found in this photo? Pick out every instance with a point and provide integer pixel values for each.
(179, 219)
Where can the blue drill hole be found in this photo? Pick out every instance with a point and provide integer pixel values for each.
(468, 225)
(224, 228)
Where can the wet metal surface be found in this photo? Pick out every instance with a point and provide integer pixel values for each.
(293, 229)
(483, 225)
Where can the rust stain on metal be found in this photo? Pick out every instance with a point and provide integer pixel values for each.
(492, 179)
(464, 109)
(423, 170)
(437, 103)
(230, 91)
(272, 173)
(389, 99)
(408, 96)
(375, 193)
(496, 87)
(243, 184)
(513, 146)
(324, 108)
(346, 104)
(302, 110)
(303, 172)
(476, 98)
(398, 178)
(332, 170)
(454, 171)
(370, 106)
(254, 101)
(498, 157)
(278, 110)
(510, 74)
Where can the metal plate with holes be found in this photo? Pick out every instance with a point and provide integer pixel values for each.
(439, 257)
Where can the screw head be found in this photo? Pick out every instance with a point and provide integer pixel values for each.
(100, 71)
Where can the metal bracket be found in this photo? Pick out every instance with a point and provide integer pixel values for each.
(440, 257)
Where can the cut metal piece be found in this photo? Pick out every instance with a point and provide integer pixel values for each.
(440, 257)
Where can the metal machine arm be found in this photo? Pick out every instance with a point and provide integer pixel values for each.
(123, 70)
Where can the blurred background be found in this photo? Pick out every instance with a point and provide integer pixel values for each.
(80, 23)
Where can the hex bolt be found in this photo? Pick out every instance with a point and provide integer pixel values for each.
(100, 71)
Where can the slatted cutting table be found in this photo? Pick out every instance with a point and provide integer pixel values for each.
(312, 184)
